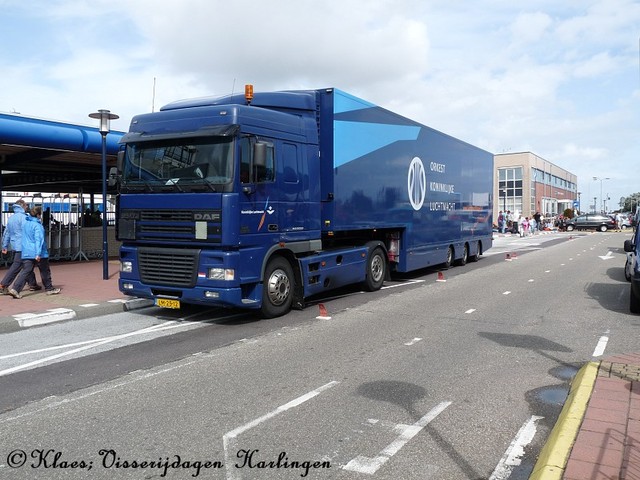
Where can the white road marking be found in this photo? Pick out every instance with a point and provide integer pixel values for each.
(507, 292)
(608, 256)
(602, 344)
(511, 457)
(77, 350)
(471, 310)
(413, 342)
(403, 284)
(229, 438)
(50, 316)
(370, 466)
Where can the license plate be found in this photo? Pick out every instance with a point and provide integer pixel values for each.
(167, 303)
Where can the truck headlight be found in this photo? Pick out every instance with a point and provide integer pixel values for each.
(222, 274)
(126, 267)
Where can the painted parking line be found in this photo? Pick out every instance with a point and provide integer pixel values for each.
(370, 466)
(229, 439)
(600, 347)
(512, 457)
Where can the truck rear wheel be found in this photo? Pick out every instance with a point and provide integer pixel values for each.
(277, 288)
(376, 269)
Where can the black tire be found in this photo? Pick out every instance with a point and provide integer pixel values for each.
(376, 269)
(570, 228)
(476, 256)
(465, 256)
(277, 288)
(603, 228)
(627, 275)
(634, 302)
(449, 261)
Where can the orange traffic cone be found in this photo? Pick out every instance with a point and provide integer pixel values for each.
(323, 313)
(507, 257)
(440, 277)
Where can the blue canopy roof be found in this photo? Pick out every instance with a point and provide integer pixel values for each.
(46, 155)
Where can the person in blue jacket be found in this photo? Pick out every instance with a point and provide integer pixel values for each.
(34, 253)
(12, 240)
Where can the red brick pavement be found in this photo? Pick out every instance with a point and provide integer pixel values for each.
(608, 444)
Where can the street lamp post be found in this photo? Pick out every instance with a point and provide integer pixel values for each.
(105, 116)
(601, 199)
(579, 209)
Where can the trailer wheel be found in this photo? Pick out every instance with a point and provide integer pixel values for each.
(376, 269)
(476, 256)
(449, 261)
(465, 256)
(277, 289)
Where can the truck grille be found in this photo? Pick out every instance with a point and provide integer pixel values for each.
(166, 215)
(168, 266)
(178, 225)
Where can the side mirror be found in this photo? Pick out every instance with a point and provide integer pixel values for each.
(260, 154)
(629, 246)
(120, 160)
(113, 177)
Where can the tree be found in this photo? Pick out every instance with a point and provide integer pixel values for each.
(630, 203)
(568, 213)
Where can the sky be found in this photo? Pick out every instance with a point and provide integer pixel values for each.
(558, 79)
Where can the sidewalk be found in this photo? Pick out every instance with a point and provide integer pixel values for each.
(597, 435)
(83, 294)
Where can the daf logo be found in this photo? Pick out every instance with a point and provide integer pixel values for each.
(416, 183)
(129, 215)
(205, 216)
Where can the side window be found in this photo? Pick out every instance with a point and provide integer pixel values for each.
(266, 173)
(261, 173)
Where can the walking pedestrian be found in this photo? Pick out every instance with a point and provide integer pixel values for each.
(12, 239)
(524, 226)
(34, 253)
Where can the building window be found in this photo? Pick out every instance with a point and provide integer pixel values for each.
(510, 188)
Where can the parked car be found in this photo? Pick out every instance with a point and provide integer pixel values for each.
(627, 221)
(591, 221)
(632, 268)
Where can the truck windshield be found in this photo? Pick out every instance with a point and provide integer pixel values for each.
(182, 165)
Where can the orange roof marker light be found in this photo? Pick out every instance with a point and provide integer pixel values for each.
(248, 93)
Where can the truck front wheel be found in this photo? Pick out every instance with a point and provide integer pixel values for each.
(277, 289)
(376, 269)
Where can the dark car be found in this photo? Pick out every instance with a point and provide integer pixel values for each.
(591, 221)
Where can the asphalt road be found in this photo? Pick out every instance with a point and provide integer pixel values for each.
(460, 379)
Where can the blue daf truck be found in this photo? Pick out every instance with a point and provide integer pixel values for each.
(262, 200)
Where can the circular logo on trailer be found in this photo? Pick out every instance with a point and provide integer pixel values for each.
(416, 183)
